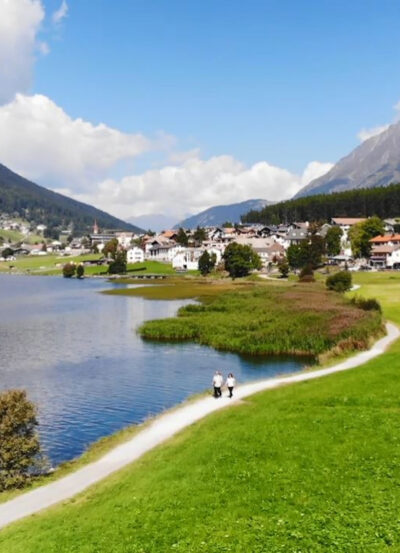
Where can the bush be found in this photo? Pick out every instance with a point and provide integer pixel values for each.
(80, 271)
(307, 274)
(367, 304)
(69, 270)
(19, 442)
(283, 267)
(339, 282)
(118, 265)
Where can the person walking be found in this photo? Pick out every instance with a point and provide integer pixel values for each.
(217, 383)
(231, 383)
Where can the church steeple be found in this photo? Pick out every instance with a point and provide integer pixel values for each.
(95, 227)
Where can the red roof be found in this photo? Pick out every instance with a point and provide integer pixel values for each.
(386, 238)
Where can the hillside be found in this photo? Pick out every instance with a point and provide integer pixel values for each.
(376, 162)
(381, 201)
(219, 214)
(156, 221)
(43, 206)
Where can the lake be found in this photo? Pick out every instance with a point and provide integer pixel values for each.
(77, 354)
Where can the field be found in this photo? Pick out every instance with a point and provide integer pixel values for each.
(308, 468)
(52, 265)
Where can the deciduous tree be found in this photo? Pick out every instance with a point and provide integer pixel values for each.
(19, 442)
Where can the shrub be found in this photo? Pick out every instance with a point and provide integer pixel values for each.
(307, 274)
(69, 270)
(339, 282)
(283, 267)
(19, 442)
(118, 265)
(80, 271)
(367, 304)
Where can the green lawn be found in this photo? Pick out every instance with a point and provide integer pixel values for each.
(47, 265)
(309, 468)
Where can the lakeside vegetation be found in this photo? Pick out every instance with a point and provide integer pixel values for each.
(292, 469)
(267, 319)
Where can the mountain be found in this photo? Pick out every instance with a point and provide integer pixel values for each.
(219, 214)
(43, 206)
(156, 222)
(376, 162)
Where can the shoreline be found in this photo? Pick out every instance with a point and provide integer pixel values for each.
(161, 429)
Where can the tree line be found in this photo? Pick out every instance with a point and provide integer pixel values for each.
(364, 202)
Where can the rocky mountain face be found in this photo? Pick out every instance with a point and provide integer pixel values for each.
(376, 162)
(220, 214)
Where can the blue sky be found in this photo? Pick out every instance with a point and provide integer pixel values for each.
(281, 82)
(288, 81)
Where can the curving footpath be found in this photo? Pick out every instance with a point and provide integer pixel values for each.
(160, 430)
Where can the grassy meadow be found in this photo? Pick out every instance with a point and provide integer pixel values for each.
(310, 468)
(51, 265)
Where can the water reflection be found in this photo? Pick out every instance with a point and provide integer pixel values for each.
(77, 354)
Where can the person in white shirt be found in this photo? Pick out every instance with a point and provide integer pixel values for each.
(218, 380)
(231, 383)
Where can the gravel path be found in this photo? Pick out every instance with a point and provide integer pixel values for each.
(160, 430)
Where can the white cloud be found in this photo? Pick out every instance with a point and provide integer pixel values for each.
(61, 13)
(314, 170)
(365, 134)
(20, 22)
(196, 185)
(40, 141)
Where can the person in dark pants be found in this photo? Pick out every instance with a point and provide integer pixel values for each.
(231, 383)
(217, 384)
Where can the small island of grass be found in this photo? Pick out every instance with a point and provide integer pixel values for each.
(267, 319)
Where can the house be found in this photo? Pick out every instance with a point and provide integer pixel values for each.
(124, 238)
(386, 239)
(380, 255)
(135, 255)
(187, 259)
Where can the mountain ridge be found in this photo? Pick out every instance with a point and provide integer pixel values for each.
(375, 162)
(219, 214)
(41, 205)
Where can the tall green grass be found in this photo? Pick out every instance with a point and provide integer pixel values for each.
(304, 320)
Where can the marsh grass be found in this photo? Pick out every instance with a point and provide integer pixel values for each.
(269, 319)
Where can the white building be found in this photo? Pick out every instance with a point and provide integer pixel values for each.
(135, 255)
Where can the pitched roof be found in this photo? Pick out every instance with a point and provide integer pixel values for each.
(348, 220)
(386, 238)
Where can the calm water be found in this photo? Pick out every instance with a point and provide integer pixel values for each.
(77, 354)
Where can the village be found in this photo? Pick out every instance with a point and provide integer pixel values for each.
(182, 248)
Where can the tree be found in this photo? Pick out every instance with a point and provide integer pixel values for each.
(339, 282)
(199, 235)
(333, 240)
(283, 267)
(118, 265)
(7, 252)
(182, 237)
(80, 271)
(294, 256)
(110, 248)
(69, 270)
(207, 262)
(19, 442)
(361, 234)
(240, 260)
